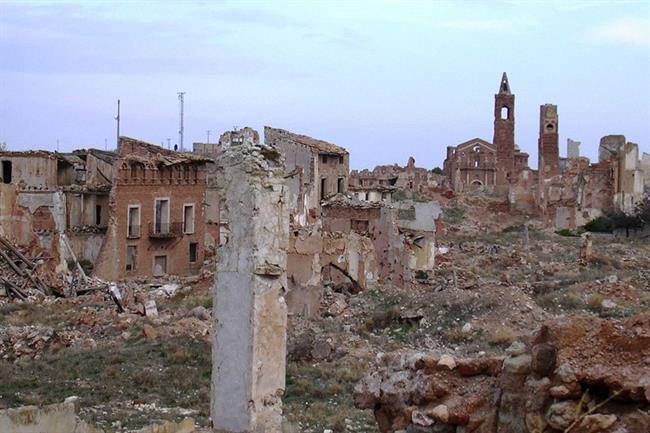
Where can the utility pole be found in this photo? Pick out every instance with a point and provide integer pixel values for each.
(169, 143)
(181, 129)
(208, 140)
(117, 141)
(106, 144)
(57, 144)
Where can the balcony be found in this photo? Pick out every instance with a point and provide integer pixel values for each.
(165, 230)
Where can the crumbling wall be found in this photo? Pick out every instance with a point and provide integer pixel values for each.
(249, 345)
(630, 186)
(582, 192)
(32, 169)
(316, 169)
(579, 374)
(54, 418)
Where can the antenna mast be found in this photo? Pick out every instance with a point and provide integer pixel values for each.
(118, 123)
(208, 132)
(181, 129)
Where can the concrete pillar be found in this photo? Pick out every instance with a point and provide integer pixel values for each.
(250, 314)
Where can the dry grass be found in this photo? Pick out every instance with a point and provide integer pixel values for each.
(502, 336)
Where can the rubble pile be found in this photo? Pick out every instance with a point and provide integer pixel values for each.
(18, 276)
(579, 374)
(31, 341)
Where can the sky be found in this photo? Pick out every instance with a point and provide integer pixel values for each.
(387, 80)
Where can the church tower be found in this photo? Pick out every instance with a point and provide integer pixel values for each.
(504, 131)
(548, 144)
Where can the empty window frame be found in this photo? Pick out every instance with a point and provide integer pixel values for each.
(340, 185)
(98, 214)
(359, 226)
(131, 254)
(133, 221)
(188, 218)
(161, 215)
(194, 249)
(323, 188)
(159, 266)
(6, 171)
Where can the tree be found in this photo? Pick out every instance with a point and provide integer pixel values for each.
(621, 220)
(642, 211)
(437, 170)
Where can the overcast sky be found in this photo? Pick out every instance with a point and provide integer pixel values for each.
(385, 80)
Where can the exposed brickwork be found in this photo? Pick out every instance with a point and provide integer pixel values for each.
(548, 143)
(162, 241)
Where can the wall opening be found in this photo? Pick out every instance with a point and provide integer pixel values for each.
(133, 227)
(159, 266)
(323, 192)
(131, 252)
(161, 216)
(549, 127)
(188, 218)
(340, 185)
(6, 171)
(193, 252)
(505, 113)
(98, 214)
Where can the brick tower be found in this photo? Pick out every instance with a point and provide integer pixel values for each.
(504, 131)
(548, 143)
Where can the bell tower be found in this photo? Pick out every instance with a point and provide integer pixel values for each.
(548, 146)
(504, 131)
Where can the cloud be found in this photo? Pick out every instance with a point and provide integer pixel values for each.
(625, 31)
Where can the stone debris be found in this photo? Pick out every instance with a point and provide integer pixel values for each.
(581, 374)
(62, 418)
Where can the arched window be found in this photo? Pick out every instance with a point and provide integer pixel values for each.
(505, 112)
(549, 127)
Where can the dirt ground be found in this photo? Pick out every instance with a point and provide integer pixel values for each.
(492, 284)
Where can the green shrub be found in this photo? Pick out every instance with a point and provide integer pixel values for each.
(566, 232)
(453, 215)
(602, 224)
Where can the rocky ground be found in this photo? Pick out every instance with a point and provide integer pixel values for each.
(494, 283)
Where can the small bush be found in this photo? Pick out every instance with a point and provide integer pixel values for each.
(502, 336)
(602, 224)
(566, 232)
(594, 303)
(513, 229)
(453, 215)
(571, 301)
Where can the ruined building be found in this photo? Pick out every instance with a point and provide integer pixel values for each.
(317, 170)
(564, 192)
(56, 202)
(477, 162)
(134, 212)
(157, 217)
(384, 180)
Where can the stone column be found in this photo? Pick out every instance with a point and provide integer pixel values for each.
(250, 314)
